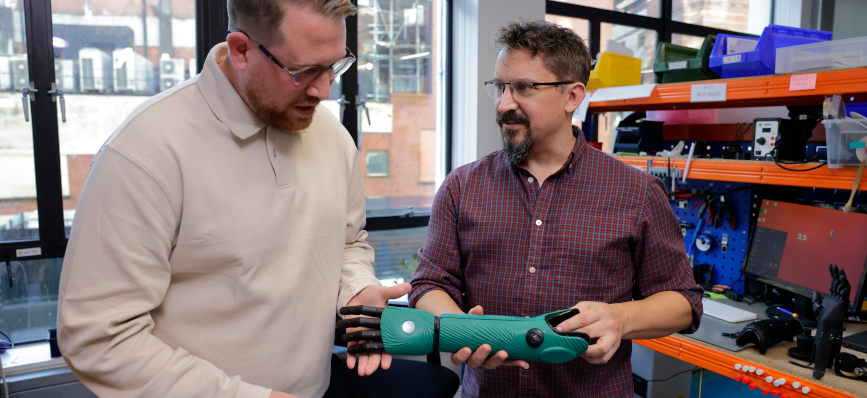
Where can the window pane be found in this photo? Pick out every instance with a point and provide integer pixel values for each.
(642, 42)
(28, 308)
(396, 252)
(648, 8)
(107, 65)
(687, 40)
(748, 16)
(377, 163)
(580, 26)
(398, 52)
(19, 219)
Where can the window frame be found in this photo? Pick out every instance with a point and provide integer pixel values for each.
(211, 25)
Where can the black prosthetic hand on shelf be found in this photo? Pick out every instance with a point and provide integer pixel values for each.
(830, 312)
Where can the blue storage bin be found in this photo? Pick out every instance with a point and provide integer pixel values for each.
(857, 107)
(747, 60)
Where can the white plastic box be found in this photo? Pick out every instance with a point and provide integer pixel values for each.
(836, 54)
(841, 135)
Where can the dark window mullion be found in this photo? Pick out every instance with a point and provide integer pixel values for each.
(349, 80)
(46, 143)
(212, 22)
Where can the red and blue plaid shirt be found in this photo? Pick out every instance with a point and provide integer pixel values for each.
(499, 240)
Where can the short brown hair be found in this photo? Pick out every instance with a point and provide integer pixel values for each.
(261, 18)
(562, 50)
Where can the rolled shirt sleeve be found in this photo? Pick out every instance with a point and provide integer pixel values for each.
(439, 260)
(660, 256)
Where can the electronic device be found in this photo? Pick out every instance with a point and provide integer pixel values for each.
(132, 71)
(766, 131)
(94, 66)
(171, 73)
(64, 74)
(726, 312)
(857, 341)
(792, 245)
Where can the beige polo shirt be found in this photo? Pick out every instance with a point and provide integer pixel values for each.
(209, 253)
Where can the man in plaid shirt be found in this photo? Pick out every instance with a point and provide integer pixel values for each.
(550, 223)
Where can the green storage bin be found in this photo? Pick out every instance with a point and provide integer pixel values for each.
(676, 64)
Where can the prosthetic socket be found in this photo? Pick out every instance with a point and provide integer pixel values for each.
(406, 331)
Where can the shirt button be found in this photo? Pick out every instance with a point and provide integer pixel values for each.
(530, 180)
(532, 270)
(274, 151)
(538, 222)
(526, 366)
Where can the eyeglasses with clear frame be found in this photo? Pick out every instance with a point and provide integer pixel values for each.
(305, 76)
(519, 89)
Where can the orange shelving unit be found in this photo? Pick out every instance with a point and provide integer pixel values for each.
(724, 364)
(756, 172)
(747, 92)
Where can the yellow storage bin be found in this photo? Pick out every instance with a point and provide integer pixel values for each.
(614, 70)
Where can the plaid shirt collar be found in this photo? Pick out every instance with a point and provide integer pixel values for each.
(577, 151)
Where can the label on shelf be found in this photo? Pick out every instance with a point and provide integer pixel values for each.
(732, 59)
(677, 65)
(708, 92)
(803, 82)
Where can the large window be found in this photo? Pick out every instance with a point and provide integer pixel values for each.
(650, 8)
(18, 208)
(106, 57)
(642, 42)
(398, 50)
(109, 57)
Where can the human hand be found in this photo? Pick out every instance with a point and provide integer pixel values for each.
(597, 320)
(480, 356)
(278, 394)
(831, 310)
(374, 296)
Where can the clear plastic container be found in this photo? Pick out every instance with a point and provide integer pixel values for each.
(837, 54)
(738, 56)
(843, 138)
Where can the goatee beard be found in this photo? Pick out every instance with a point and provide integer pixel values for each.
(276, 116)
(516, 152)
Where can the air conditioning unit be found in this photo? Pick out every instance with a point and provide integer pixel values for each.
(132, 72)
(5, 74)
(20, 71)
(94, 70)
(64, 74)
(171, 73)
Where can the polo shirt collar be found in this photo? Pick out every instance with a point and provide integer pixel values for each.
(227, 105)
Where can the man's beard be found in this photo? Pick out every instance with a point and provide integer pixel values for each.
(276, 116)
(518, 151)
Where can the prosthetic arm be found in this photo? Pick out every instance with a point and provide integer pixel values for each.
(830, 312)
(406, 331)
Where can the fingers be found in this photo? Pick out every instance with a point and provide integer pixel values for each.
(479, 356)
(584, 318)
(365, 348)
(395, 292)
(373, 361)
(369, 335)
(602, 351)
(362, 364)
(362, 310)
(370, 323)
(477, 310)
(461, 356)
(350, 359)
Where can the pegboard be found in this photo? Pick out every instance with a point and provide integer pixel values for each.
(726, 265)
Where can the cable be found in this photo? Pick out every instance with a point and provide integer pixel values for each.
(676, 374)
(700, 377)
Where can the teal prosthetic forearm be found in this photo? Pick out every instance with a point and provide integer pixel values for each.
(405, 331)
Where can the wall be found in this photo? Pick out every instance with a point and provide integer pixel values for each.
(474, 132)
(849, 19)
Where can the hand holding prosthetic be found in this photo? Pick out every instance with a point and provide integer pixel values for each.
(830, 312)
(406, 331)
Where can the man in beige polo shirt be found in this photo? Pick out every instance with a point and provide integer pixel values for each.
(222, 224)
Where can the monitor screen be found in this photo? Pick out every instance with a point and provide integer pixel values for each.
(793, 244)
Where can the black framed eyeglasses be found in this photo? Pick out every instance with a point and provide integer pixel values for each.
(521, 89)
(305, 76)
